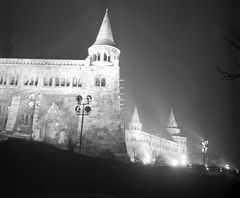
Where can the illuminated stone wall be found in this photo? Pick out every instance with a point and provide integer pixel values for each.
(147, 147)
(56, 83)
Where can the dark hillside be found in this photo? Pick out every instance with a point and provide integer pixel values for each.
(40, 170)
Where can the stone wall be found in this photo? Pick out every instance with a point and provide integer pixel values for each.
(57, 83)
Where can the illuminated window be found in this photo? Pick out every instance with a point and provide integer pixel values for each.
(50, 82)
(105, 57)
(74, 83)
(97, 82)
(57, 81)
(62, 82)
(12, 80)
(36, 81)
(31, 81)
(103, 82)
(26, 80)
(45, 81)
(100, 81)
(16, 80)
(79, 82)
(67, 82)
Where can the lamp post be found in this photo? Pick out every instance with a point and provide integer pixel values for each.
(31, 105)
(204, 150)
(86, 110)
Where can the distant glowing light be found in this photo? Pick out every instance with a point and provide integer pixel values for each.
(174, 162)
(227, 166)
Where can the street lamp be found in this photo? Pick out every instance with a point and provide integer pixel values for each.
(204, 150)
(86, 110)
(31, 105)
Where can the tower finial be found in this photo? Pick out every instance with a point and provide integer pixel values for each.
(105, 36)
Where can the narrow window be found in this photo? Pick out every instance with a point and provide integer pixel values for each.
(57, 81)
(26, 120)
(45, 81)
(26, 80)
(31, 81)
(97, 82)
(12, 80)
(1, 80)
(79, 82)
(62, 81)
(5, 80)
(36, 81)
(74, 82)
(50, 82)
(103, 82)
(67, 82)
(99, 57)
(105, 57)
(16, 80)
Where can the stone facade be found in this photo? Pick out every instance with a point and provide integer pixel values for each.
(55, 85)
(147, 147)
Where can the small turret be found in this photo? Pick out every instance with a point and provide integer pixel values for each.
(135, 123)
(104, 50)
(172, 126)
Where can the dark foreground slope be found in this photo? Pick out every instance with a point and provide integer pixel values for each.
(35, 169)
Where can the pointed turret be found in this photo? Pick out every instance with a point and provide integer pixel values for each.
(135, 123)
(104, 50)
(172, 125)
(135, 117)
(172, 122)
(105, 36)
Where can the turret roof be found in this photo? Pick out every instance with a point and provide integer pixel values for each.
(135, 117)
(105, 36)
(172, 122)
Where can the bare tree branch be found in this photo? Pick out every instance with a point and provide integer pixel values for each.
(227, 75)
(231, 42)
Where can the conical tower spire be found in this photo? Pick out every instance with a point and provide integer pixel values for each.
(172, 125)
(104, 51)
(135, 117)
(172, 121)
(135, 123)
(105, 36)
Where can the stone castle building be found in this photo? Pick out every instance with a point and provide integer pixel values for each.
(38, 96)
(147, 147)
(38, 101)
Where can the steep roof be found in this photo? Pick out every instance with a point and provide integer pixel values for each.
(172, 122)
(105, 36)
(135, 117)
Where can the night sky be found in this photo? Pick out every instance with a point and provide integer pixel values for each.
(170, 51)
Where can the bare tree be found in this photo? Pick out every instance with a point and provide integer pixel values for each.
(227, 75)
(71, 137)
(213, 158)
(135, 153)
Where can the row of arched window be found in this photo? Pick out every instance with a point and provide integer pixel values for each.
(100, 81)
(13, 80)
(25, 120)
(98, 57)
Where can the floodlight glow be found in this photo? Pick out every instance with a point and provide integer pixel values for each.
(227, 166)
(174, 162)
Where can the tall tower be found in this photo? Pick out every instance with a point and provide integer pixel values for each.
(104, 50)
(172, 126)
(135, 123)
